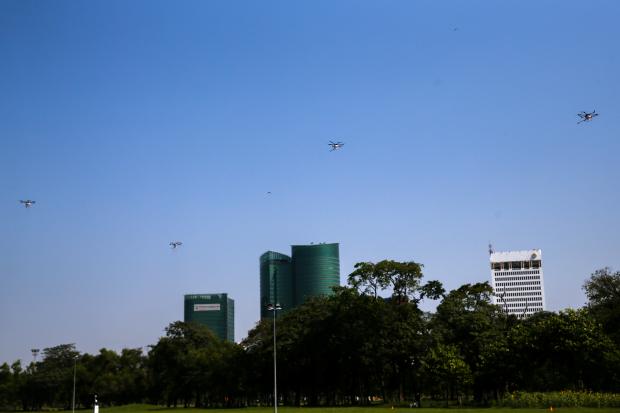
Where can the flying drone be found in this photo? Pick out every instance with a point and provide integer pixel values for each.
(175, 244)
(335, 145)
(586, 116)
(27, 202)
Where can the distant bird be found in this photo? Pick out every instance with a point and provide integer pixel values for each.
(268, 192)
(27, 202)
(335, 145)
(175, 244)
(586, 116)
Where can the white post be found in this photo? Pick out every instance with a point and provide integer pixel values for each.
(275, 380)
(74, 368)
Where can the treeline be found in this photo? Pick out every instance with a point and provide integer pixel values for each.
(351, 348)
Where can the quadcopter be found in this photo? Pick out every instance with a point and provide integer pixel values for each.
(175, 244)
(586, 116)
(335, 145)
(27, 203)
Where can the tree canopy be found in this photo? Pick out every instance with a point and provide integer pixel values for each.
(603, 292)
(349, 348)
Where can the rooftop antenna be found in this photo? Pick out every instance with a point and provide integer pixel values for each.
(491, 250)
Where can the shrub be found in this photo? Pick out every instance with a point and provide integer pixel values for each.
(566, 398)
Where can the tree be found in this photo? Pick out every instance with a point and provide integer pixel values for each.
(367, 279)
(188, 364)
(567, 350)
(446, 371)
(50, 382)
(403, 277)
(7, 395)
(603, 292)
(467, 319)
(402, 330)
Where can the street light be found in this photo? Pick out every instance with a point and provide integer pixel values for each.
(35, 353)
(274, 308)
(74, 369)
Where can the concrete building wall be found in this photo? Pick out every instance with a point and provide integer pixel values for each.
(517, 278)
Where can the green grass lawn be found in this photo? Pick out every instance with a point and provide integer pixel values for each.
(140, 408)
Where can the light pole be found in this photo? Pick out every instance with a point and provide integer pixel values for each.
(74, 369)
(35, 353)
(274, 308)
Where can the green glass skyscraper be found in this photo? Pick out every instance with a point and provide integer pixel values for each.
(316, 269)
(215, 311)
(311, 271)
(276, 282)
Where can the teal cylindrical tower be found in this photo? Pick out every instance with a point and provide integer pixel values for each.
(276, 282)
(317, 270)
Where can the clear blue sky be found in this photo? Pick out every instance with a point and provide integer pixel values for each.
(133, 124)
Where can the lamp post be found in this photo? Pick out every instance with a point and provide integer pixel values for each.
(274, 308)
(74, 369)
(35, 353)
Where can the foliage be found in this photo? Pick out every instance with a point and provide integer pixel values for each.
(193, 366)
(353, 348)
(449, 371)
(467, 320)
(560, 399)
(603, 292)
(565, 350)
(403, 277)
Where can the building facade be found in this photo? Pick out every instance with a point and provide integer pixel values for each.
(518, 282)
(310, 271)
(276, 282)
(215, 311)
(316, 268)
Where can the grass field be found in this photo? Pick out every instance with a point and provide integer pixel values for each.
(139, 408)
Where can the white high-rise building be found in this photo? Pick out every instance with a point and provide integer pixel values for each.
(518, 281)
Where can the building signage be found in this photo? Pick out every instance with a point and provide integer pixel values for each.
(206, 307)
